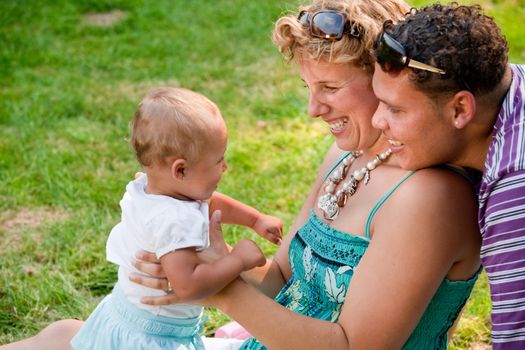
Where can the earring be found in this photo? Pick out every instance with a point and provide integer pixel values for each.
(456, 123)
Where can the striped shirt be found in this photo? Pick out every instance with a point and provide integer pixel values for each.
(502, 218)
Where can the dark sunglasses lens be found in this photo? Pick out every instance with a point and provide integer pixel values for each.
(303, 18)
(389, 55)
(328, 25)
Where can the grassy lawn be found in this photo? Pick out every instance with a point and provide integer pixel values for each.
(71, 74)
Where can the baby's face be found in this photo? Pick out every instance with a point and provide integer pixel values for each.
(202, 177)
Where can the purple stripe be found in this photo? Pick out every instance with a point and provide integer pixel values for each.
(512, 294)
(512, 320)
(509, 287)
(519, 345)
(511, 229)
(510, 260)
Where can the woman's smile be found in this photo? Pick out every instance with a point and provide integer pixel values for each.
(338, 125)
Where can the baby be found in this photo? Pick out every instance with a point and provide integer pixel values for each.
(180, 139)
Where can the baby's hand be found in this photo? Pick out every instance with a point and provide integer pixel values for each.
(269, 227)
(249, 253)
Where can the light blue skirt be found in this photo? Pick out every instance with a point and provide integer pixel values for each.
(116, 324)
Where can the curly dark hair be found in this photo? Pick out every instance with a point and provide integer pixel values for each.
(461, 40)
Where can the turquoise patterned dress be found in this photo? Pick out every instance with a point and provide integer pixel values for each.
(323, 260)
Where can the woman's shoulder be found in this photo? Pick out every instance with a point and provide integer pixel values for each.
(430, 196)
(331, 158)
(440, 181)
(436, 206)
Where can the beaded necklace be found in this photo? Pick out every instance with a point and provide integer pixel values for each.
(331, 202)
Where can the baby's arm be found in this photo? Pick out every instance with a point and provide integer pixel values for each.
(192, 279)
(236, 212)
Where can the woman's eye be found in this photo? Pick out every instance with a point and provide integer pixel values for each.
(393, 110)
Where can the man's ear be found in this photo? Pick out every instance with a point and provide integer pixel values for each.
(178, 169)
(464, 104)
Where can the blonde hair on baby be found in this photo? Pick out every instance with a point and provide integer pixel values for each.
(173, 122)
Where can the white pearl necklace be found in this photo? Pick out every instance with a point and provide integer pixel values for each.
(331, 203)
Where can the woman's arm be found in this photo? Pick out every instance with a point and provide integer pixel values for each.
(274, 325)
(424, 233)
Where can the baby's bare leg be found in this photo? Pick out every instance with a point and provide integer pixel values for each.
(56, 336)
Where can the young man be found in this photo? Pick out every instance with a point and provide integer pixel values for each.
(448, 95)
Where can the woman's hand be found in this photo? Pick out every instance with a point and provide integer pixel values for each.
(148, 263)
(218, 247)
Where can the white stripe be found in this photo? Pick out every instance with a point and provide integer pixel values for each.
(507, 280)
(500, 251)
(503, 264)
(508, 309)
(505, 241)
(507, 293)
(520, 186)
(505, 272)
(517, 213)
(508, 340)
(508, 323)
(505, 185)
(505, 302)
(508, 331)
(507, 232)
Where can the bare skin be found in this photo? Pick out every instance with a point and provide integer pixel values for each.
(55, 336)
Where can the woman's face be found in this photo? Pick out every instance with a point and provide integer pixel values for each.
(342, 95)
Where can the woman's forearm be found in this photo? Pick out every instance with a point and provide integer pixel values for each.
(278, 327)
(268, 278)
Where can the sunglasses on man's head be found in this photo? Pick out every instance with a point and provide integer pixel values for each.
(328, 24)
(392, 57)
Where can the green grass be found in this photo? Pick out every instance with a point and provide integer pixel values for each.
(68, 89)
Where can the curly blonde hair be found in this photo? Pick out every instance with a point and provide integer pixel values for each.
(295, 41)
(173, 122)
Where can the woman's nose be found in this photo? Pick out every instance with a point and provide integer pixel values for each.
(316, 106)
(224, 166)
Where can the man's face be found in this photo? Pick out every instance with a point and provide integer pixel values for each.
(421, 132)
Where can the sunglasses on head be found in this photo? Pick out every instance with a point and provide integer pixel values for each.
(392, 57)
(328, 24)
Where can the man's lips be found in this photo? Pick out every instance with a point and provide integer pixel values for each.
(395, 143)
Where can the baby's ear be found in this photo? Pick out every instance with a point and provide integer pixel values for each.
(178, 169)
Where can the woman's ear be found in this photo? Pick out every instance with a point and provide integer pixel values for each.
(178, 169)
(464, 104)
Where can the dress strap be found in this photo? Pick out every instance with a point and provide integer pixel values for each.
(381, 201)
(337, 163)
(471, 175)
